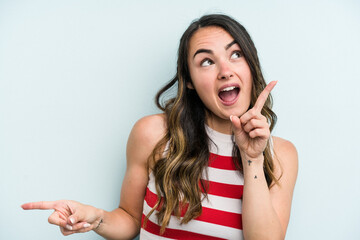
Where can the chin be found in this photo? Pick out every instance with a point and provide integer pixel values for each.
(237, 112)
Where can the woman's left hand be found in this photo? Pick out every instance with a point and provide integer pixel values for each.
(252, 130)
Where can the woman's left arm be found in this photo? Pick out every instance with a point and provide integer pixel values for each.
(265, 212)
(285, 155)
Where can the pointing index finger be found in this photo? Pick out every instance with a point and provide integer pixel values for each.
(259, 104)
(43, 205)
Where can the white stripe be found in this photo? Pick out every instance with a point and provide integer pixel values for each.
(225, 176)
(145, 235)
(222, 203)
(200, 227)
(151, 184)
(221, 148)
(222, 145)
(232, 177)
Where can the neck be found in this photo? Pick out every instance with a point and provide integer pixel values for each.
(219, 124)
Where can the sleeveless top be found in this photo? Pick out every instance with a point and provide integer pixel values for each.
(221, 210)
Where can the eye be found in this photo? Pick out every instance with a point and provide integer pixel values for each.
(236, 54)
(206, 62)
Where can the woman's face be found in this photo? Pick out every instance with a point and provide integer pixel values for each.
(220, 75)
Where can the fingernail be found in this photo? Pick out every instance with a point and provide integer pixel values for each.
(72, 220)
(231, 116)
(86, 225)
(68, 227)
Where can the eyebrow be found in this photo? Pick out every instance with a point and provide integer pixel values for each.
(202, 50)
(230, 44)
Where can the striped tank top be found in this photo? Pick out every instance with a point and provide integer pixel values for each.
(221, 211)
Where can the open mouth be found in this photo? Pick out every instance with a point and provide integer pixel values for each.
(229, 95)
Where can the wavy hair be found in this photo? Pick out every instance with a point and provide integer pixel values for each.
(179, 168)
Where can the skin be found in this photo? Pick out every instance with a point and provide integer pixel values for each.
(219, 67)
(265, 212)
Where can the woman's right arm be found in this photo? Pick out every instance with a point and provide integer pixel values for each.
(146, 133)
(125, 221)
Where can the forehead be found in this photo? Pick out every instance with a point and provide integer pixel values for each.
(209, 38)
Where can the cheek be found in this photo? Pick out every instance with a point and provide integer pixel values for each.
(248, 92)
(201, 80)
(203, 87)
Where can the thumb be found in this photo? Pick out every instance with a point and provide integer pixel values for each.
(235, 122)
(74, 218)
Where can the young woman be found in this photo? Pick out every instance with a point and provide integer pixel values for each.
(207, 168)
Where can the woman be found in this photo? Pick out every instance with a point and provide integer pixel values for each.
(207, 168)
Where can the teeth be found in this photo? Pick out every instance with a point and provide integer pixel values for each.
(228, 89)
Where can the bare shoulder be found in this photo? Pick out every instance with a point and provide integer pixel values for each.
(283, 147)
(287, 158)
(149, 129)
(144, 136)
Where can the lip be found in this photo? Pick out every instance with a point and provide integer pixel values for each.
(235, 99)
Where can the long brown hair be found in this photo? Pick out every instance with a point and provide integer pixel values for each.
(179, 169)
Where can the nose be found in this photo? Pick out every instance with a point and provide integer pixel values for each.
(225, 71)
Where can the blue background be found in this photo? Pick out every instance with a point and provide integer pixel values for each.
(76, 75)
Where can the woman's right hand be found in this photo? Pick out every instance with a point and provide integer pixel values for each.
(70, 216)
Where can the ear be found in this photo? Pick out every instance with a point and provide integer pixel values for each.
(189, 85)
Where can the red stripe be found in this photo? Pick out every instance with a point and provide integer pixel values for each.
(209, 215)
(175, 233)
(150, 198)
(221, 162)
(219, 217)
(223, 189)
